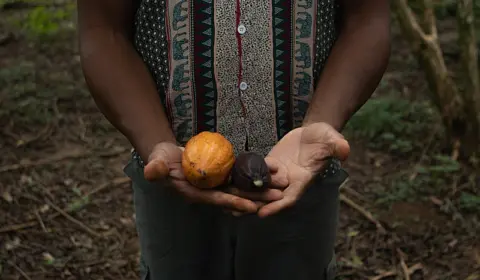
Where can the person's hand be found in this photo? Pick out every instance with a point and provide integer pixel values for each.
(165, 162)
(259, 198)
(298, 157)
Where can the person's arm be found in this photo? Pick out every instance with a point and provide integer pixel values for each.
(117, 78)
(356, 64)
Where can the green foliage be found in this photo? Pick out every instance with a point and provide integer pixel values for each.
(394, 124)
(445, 8)
(468, 201)
(429, 178)
(23, 102)
(78, 204)
(43, 21)
(435, 177)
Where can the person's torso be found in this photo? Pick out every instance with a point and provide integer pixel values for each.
(244, 68)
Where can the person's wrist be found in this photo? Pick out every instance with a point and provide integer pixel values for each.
(335, 119)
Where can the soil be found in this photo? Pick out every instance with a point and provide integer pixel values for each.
(66, 207)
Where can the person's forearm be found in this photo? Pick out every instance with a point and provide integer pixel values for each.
(123, 89)
(353, 70)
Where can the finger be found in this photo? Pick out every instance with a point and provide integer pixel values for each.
(215, 197)
(162, 157)
(239, 214)
(233, 213)
(291, 196)
(275, 207)
(267, 195)
(342, 149)
(273, 164)
(155, 170)
(278, 173)
(260, 204)
(279, 180)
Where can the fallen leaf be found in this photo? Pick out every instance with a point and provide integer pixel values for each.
(7, 197)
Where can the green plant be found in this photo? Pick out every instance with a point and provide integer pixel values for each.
(394, 124)
(24, 101)
(44, 21)
(428, 178)
(468, 201)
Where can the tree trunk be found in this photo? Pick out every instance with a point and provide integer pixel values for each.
(423, 38)
(468, 54)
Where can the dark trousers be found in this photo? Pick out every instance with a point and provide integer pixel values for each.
(187, 241)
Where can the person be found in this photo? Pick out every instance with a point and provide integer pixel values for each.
(278, 77)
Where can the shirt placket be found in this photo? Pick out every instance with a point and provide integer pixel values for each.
(241, 83)
(255, 81)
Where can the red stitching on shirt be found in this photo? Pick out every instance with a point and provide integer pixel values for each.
(239, 42)
(239, 45)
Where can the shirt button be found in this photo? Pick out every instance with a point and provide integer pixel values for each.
(241, 29)
(243, 86)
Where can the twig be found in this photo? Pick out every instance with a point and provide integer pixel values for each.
(45, 132)
(384, 274)
(114, 182)
(456, 149)
(28, 163)
(403, 265)
(10, 228)
(83, 200)
(72, 219)
(414, 268)
(363, 211)
(89, 263)
(40, 221)
(389, 273)
(422, 155)
(16, 227)
(346, 188)
(19, 270)
(59, 157)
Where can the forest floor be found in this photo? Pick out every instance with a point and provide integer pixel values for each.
(407, 212)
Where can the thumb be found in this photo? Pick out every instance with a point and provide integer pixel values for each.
(158, 165)
(278, 172)
(342, 149)
(155, 170)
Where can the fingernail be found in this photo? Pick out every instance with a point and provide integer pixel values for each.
(237, 214)
(262, 215)
(252, 209)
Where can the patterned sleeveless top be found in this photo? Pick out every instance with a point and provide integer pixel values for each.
(244, 68)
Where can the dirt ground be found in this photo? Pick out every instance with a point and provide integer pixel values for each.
(66, 206)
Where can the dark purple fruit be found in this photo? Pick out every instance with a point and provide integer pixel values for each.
(250, 172)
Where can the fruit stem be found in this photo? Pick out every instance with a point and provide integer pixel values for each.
(258, 183)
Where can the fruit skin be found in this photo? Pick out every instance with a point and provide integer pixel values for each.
(250, 172)
(207, 160)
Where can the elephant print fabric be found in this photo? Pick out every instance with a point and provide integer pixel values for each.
(247, 70)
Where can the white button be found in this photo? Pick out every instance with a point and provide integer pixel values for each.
(243, 86)
(241, 29)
